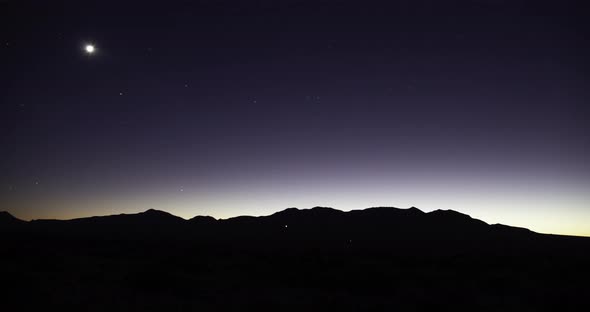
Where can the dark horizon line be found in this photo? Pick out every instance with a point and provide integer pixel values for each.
(220, 219)
(286, 209)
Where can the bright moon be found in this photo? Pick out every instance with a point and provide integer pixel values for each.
(89, 48)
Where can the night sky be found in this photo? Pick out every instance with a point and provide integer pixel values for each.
(228, 108)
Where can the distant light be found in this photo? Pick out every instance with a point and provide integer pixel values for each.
(89, 49)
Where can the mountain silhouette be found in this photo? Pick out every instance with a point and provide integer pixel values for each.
(148, 217)
(203, 220)
(379, 258)
(150, 222)
(7, 220)
(320, 222)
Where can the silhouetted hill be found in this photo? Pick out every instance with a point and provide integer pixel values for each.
(375, 227)
(318, 223)
(293, 260)
(8, 220)
(148, 217)
(315, 212)
(203, 220)
(150, 221)
(371, 225)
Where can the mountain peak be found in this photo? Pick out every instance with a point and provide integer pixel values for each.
(454, 217)
(202, 219)
(307, 212)
(322, 208)
(6, 216)
(414, 209)
(157, 213)
(448, 212)
(388, 211)
(8, 221)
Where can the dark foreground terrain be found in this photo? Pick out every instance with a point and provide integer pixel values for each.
(294, 260)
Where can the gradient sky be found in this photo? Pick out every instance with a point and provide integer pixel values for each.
(229, 108)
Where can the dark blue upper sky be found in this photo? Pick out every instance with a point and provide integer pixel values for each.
(248, 107)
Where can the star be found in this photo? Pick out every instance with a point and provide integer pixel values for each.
(89, 48)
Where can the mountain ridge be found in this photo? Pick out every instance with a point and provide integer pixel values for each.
(380, 215)
(322, 253)
(317, 219)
